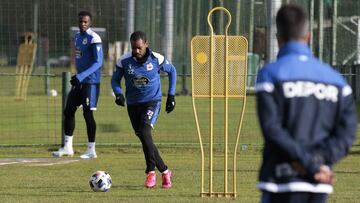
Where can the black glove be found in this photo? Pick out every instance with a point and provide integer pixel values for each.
(74, 81)
(120, 100)
(170, 103)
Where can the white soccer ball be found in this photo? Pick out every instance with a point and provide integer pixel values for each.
(100, 181)
(52, 93)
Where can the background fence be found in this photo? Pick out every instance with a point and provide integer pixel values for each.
(38, 119)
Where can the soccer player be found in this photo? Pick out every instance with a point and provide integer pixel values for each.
(307, 116)
(85, 86)
(141, 70)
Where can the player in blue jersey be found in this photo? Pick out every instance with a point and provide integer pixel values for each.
(85, 86)
(307, 116)
(141, 70)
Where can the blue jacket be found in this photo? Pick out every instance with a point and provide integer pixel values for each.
(88, 57)
(307, 115)
(142, 80)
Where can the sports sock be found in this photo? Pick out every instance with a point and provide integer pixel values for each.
(68, 141)
(91, 146)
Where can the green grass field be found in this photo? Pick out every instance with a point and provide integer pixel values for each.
(32, 129)
(69, 182)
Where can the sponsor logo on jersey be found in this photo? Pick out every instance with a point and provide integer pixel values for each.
(140, 81)
(149, 66)
(78, 53)
(84, 41)
(305, 89)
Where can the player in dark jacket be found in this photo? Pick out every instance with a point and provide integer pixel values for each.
(307, 116)
(141, 69)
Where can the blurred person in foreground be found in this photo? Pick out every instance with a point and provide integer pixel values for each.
(85, 86)
(141, 69)
(307, 116)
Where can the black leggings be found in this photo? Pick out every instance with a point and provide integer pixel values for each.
(69, 122)
(138, 116)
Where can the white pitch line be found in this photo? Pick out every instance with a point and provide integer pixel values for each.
(36, 161)
(51, 164)
(7, 163)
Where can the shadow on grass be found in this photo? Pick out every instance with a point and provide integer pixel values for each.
(348, 172)
(128, 187)
(354, 152)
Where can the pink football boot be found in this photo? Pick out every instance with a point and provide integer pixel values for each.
(166, 179)
(150, 179)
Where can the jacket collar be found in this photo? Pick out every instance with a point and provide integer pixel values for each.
(294, 47)
(88, 31)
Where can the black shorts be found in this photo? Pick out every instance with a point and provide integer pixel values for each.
(86, 95)
(146, 113)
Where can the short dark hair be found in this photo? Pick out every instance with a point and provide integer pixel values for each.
(85, 13)
(291, 22)
(138, 35)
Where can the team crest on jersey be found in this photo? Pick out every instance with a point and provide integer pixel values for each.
(150, 114)
(84, 41)
(149, 66)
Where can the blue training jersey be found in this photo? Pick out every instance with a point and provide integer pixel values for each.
(142, 80)
(307, 116)
(88, 57)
